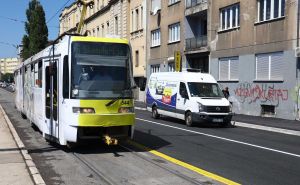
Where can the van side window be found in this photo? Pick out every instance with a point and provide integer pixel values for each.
(182, 90)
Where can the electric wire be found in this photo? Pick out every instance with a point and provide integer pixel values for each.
(58, 11)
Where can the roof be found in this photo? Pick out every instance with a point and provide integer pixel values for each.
(98, 39)
(186, 76)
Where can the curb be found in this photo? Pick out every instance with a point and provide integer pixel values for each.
(34, 172)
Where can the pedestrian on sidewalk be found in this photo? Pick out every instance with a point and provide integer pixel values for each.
(226, 92)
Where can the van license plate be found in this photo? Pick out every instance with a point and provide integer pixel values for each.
(217, 120)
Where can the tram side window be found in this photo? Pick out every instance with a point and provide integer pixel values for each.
(66, 91)
(40, 74)
(35, 75)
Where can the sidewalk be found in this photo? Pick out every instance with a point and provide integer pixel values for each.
(257, 120)
(16, 166)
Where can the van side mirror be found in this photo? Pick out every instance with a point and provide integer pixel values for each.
(142, 83)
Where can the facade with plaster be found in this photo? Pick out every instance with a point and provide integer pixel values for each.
(254, 53)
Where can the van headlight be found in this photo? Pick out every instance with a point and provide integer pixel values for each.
(126, 110)
(83, 110)
(201, 107)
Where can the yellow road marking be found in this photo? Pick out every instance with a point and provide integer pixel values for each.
(185, 165)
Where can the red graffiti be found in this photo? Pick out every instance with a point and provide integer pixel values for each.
(261, 92)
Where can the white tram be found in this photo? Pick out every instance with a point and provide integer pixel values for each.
(80, 87)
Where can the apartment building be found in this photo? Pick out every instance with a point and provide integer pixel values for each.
(106, 18)
(137, 38)
(114, 18)
(8, 65)
(253, 51)
(196, 35)
(165, 34)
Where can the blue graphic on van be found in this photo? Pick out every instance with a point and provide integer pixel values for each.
(164, 101)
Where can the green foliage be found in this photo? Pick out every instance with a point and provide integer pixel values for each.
(7, 77)
(36, 37)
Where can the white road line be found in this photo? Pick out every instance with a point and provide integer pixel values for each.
(270, 129)
(223, 138)
(258, 127)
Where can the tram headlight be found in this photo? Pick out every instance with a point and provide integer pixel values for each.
(126, 110)
(83, 110)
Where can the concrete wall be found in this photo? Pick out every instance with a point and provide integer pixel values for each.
(165, 52)
(248, 95)
(245, 42)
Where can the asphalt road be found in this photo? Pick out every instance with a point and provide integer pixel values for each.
(246, 156)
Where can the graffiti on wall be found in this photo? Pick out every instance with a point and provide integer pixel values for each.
(262, 92)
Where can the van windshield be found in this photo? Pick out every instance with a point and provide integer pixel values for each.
(210, 90)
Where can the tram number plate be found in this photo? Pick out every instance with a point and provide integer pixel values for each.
(217, 120)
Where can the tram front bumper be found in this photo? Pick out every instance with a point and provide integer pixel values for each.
(106, 120)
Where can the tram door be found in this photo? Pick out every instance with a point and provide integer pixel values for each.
(51, 100)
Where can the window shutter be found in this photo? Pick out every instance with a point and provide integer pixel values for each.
(223, 67)
(262, 67)
(234, 68)
(276, 66)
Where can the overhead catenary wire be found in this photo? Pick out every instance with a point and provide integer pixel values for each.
(21, 21)
(58, 11)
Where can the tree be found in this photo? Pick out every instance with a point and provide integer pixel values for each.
(36, 37)
(7, 77)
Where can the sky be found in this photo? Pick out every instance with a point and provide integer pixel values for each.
(11, 32)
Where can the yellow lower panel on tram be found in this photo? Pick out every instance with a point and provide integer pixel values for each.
(106, 116)
(109, 120)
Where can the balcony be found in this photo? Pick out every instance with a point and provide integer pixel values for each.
(195, 6)
(196, 43)
(192, 3)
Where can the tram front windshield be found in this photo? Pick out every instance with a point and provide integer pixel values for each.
(100, 70)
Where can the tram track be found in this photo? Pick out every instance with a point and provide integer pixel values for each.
(127, 148)
(157, 163)
(96, 172)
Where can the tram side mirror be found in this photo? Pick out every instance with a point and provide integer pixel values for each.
(141, 83)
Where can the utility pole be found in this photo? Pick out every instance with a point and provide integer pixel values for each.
(84, 4)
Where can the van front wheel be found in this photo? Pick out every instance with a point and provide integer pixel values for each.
(189, 119)
(155, 114)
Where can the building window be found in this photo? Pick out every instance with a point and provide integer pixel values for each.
(132, 21)
(137, 19)
(171, 66)
(174, 33)
(142, 22)
(93, 32)
(269, 66)
(173, 1)
(270, 9)
(107, 27)
(98, 31)
(155, 68)
(230, 17)
(155, 38)
(102, 30)
(229, 68)
(116, 26)
(137, 58)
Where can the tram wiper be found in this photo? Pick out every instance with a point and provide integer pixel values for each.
(117, 98)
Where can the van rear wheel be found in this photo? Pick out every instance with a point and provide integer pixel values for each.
(155, 114)
(189, 119)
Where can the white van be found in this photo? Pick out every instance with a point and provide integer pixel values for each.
(190, 96)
